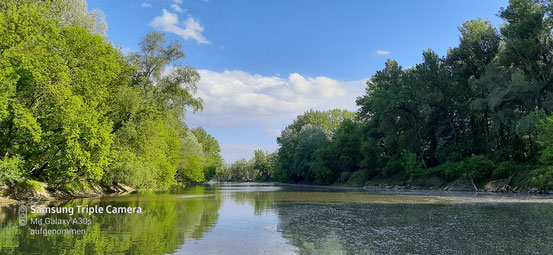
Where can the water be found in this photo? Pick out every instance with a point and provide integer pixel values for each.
(268, 219)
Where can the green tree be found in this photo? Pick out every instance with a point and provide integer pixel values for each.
(192, 160)
(55, 119)
(211, 150)
(293, 160)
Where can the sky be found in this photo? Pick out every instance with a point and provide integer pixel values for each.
(262, 63)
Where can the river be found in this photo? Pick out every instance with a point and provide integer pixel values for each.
(257, 218)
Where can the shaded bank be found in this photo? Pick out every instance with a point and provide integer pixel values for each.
(38, 191)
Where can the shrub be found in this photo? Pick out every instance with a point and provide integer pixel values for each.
(30, 185)
(358, 178)
(344, 177)
(479, 167)
(542, 178)
(410, 164)
(504, 170)
(392, 168)
(323, 175)
(11, 171)
(451, 170)
(453, 153)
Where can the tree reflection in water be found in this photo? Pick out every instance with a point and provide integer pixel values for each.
(167, 220)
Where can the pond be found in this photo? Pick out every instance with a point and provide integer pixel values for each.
(261, 218)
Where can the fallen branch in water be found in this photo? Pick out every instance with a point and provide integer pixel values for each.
(504, 184)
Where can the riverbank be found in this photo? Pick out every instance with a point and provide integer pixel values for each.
(462, 186)
(34, 191)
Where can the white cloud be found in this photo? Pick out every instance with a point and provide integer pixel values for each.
(177, 8)
(237, 98)
(248, 111)
(177, 1)
(383, 52)
(189, 29)
(146, 5)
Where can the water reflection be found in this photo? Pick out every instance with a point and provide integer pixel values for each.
(167, 220)
(268, 219)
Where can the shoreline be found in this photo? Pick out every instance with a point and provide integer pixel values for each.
(18, 195)
(7, 196)
(400, 188)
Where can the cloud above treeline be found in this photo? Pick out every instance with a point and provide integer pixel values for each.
(236, 98)
(189, 29)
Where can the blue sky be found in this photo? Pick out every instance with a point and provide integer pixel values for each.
(264, 62)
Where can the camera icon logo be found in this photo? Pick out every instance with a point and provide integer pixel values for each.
(22, 215)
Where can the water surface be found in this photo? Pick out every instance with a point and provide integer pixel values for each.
(252, 218)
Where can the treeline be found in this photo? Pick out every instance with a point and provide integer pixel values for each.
(482, 112)
(75, 111)
(258, 168)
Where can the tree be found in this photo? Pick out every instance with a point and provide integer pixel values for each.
(211, 150)
(192, 160)
(149, 116)
(69, 13)
(55, 118)
(74, 111)
(293, 160)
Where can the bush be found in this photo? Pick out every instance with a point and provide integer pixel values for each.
(344, 177)
(542, 178)
(323, 175)
(358, 178)
(504, 170)
(451, 170)
(479, 167)
(392, 168)
(410, 164)
(11, 171)
(30, 185)
(453, 153)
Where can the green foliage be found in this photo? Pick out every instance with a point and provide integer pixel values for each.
(56, 118)
(74, 110)
(211, 150)
(507, 169)
(321, 175)
(344, 177)
(451, 170)
(410, 164)
(259, 168)
(393, 167)
(11, 171)
(192, 160)
(542, 178)
(451, 114)
(240, 170)
(545, 139)
(30, 185)
(478, 167)
(303, 145)
(358, 178)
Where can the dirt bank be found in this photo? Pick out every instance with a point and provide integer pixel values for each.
(40, 192)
